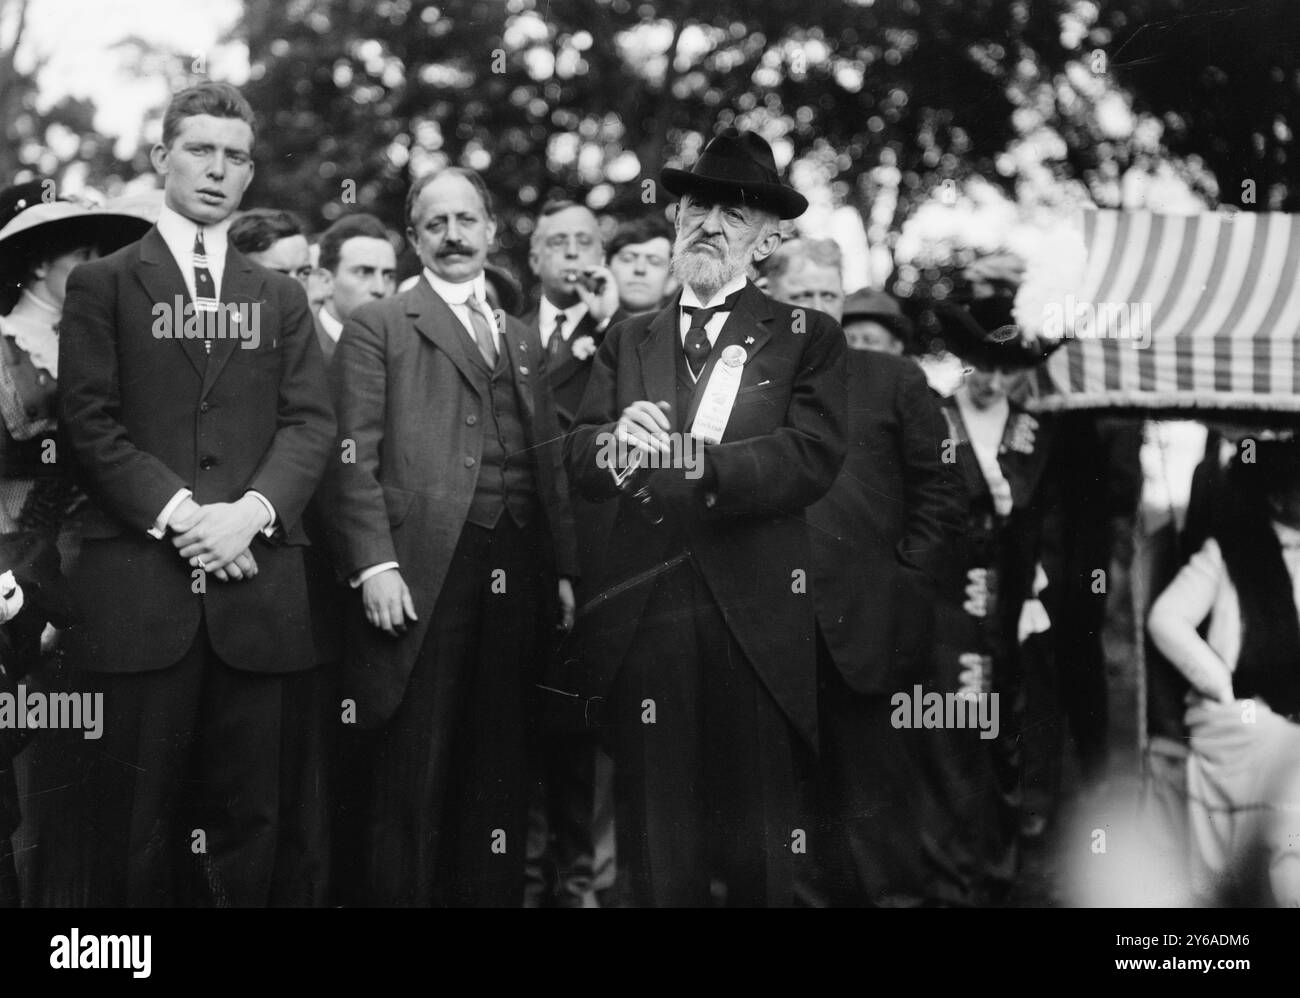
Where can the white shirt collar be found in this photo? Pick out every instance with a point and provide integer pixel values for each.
(332, 326)
(1287, 536)
(178, 233)
(458, 294)
(547, 311)
(689, 298)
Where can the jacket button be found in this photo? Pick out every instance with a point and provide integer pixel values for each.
(523, 370)
(207, 463)
(204, 406)
(469, 462)
(471, 420)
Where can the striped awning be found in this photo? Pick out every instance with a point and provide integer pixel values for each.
(1197, 312)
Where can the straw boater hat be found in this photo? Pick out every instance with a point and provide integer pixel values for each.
(29, 224)
(737, 166)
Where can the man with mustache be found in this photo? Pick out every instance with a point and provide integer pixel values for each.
(452, 523)
(701, 639)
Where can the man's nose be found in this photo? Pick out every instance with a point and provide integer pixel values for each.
(639, 267)
(217, 166)
(377, 286)
(713, 220)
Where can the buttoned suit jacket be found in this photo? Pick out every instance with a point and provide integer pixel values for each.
(782, 448)
(409, 402)
(144, 414)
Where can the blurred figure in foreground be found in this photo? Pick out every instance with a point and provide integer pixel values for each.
(1244, 708)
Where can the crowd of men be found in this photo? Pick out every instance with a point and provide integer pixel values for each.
(429, 597)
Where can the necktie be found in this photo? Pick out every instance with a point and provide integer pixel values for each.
(482, 332)
(205, 292)
(697, 346)
(555, 344)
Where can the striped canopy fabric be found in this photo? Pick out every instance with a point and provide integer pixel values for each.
(1197, 312)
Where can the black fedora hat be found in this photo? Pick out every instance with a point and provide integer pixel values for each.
(737, 166)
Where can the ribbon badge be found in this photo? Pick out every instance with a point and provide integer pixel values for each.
(719, 396)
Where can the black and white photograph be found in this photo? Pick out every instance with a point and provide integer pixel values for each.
(650, 454)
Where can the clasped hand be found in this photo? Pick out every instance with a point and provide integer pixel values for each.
(216, 536)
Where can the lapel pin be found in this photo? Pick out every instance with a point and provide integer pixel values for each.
(749, 340)
(734, 356)
(522, 369)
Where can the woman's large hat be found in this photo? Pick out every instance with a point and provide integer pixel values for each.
(737, 166)
(30, 224)
(1004, 345)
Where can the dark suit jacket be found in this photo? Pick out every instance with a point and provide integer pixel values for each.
(783, 447)
(407, 398)
(566, 375)
(145, 416)
(879, 534)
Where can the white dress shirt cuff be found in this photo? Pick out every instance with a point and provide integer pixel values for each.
(269, 529)
(160, 525)
(366, 573)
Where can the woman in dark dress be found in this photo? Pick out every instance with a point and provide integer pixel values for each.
(989, 608)
(41, 241)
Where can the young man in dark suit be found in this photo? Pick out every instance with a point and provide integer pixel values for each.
(193, 402)
(878, 540)
(451, 519)
(701, 638)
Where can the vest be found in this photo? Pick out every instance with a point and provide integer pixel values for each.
(506, 479)
(686, 387)
(1268, 665)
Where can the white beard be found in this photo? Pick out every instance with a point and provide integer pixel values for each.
(706, 271)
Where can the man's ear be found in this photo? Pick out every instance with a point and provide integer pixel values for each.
(412, 241)
(765, 247)
(159, 156)
(534, 261)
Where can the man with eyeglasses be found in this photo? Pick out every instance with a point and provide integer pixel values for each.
(579, 301)
(275, 239)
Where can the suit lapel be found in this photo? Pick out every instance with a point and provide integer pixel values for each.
(562, 365)
(437, 323)
(749, 320)
(164, 283)
(658, 363)
(241, 288)
(519, 368)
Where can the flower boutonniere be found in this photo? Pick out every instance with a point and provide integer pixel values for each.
(1021, 437)
(583, 347)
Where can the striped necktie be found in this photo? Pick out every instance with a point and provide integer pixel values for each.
(482, 332)
(205, 291)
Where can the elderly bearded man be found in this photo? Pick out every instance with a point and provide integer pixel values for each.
(701, 635)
